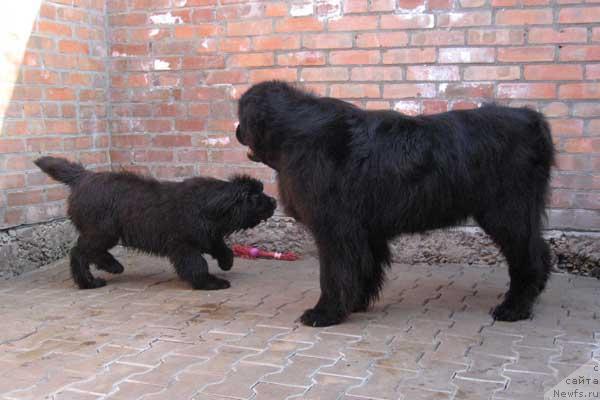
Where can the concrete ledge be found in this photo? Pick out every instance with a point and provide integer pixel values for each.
(27, 248)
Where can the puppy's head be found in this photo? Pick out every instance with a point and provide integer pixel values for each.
(257, 111)
(251, 205)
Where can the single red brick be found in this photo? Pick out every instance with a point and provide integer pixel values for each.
(234, 45)
(467, 55)
(354, 91)
(54, 28)
(353, 23)
(526, 90)
(524, 17)
(93, 157)
(579, 15)
(172, 141)
(582, 145)
(60, 94)
(437, 38)
(129, 141)
(11, 146)
(192, 156)
(249, 28)
(195, 31)
(13, 217)
(277, 42)
(463, 19)
(434, 106)
(201, 62)
(285, 74)
(12, 181)
(186, 125)
(492, 73)
(325, 74)
(580, 53)
(596, 34)
(410, 56)
(72, 14)
(129, 50)
(301, 58)
(530, 53)
(128, 19)
(573, 162)
(206, 93)
(327, 40)
(553, 72)
(251, 60)
(377, 105)
(62, 127)
(72, 46)
(355, 6)
(354, 57)
(276, 9)
(407, 21)
(468, 90)
(56, 193)
(300, 24)
(408, 90)
(377, 74)
(432, 73)
(592, 71)
(590, 90)
(227, 76)
(567, 127)
(563, 35)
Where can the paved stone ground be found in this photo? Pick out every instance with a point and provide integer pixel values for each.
(148, 336)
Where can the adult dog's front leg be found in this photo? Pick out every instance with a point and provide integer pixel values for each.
(222, 254)
(341, 260)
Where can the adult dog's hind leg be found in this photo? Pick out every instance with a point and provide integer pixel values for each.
(519, 237)
(342, 257)
(106, 262)
(193, 268)
(372, 281)
(80, 267)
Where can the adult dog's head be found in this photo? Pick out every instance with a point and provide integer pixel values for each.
(260, 126)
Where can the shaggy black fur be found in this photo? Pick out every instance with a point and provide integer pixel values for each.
(358, 178)
(179, 220)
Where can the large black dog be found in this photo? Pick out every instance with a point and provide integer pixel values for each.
(358, 178)
(180, 220)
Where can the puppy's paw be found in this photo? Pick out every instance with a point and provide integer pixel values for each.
(316, 318)
(211, 283)
(92, 284)
(509, 311)
(114, 267)
(226, 260)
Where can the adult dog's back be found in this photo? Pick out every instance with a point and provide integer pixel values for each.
(358, 178)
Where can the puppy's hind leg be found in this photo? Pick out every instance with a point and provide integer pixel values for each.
(80, 267)
(193, 268)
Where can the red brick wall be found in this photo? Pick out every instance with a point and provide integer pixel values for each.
(176, 68)
(53, 83)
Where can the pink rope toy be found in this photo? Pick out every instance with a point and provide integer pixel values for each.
(253, 252)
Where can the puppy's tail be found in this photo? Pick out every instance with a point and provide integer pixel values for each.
(61, 170)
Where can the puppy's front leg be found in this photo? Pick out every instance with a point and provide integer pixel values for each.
(222, 254)
(193, 268)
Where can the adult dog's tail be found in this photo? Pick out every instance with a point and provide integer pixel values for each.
(61, 170)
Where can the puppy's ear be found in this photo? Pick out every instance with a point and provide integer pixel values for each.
(247, 184)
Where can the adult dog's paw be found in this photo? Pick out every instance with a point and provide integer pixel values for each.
(114, 267)
(211, 282)
(509, 311)
(226, 260)
(316, 318)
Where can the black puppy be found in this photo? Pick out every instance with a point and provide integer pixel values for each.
(179, 220)
(359, 178)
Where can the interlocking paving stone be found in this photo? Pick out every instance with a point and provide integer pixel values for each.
(148, 336)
